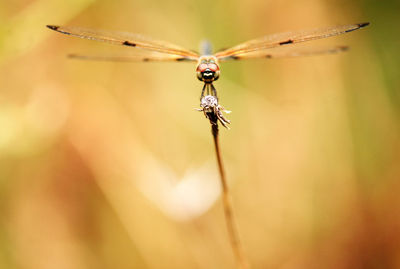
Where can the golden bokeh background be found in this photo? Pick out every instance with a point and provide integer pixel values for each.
(107, 165)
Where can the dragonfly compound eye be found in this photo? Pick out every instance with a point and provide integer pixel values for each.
(207, 74)
(214, 70)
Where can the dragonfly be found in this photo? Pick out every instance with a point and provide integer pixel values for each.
(278, 45)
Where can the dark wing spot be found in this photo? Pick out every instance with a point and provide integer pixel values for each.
(146, 59)
(127, 43)
(343, 48)
(360, 25)
(286, 42)
(57, 28)
(268, 56)
(53, 27)
(364, 24)
(234, 57)
(180, 59)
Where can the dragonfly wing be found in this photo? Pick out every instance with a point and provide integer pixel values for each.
(282, 39)
(125, 39)
(154, 57)
(287, 52)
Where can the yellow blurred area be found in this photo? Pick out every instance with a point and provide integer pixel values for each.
(107, 165)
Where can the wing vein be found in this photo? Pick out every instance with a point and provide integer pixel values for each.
(125, 39)
(288, 38)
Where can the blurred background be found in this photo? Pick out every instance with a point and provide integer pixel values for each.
(107, 165)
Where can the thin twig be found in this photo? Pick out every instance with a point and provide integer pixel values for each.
(213, 111)
(227, 202)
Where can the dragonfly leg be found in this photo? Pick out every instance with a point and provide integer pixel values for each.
(214, 91)
(208, 89)
(202, 91)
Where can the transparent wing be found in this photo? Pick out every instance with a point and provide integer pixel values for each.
(282, 39)
(126, 39)
(287, 52)
(158, 57)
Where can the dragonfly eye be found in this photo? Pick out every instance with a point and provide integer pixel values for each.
(207, 72)
(207, 75)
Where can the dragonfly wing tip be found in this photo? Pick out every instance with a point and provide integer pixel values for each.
(363, 24)
(53, 27)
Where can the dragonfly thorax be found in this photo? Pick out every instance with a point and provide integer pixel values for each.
(207, 69)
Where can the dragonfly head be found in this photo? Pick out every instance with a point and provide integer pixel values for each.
(207, 69)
